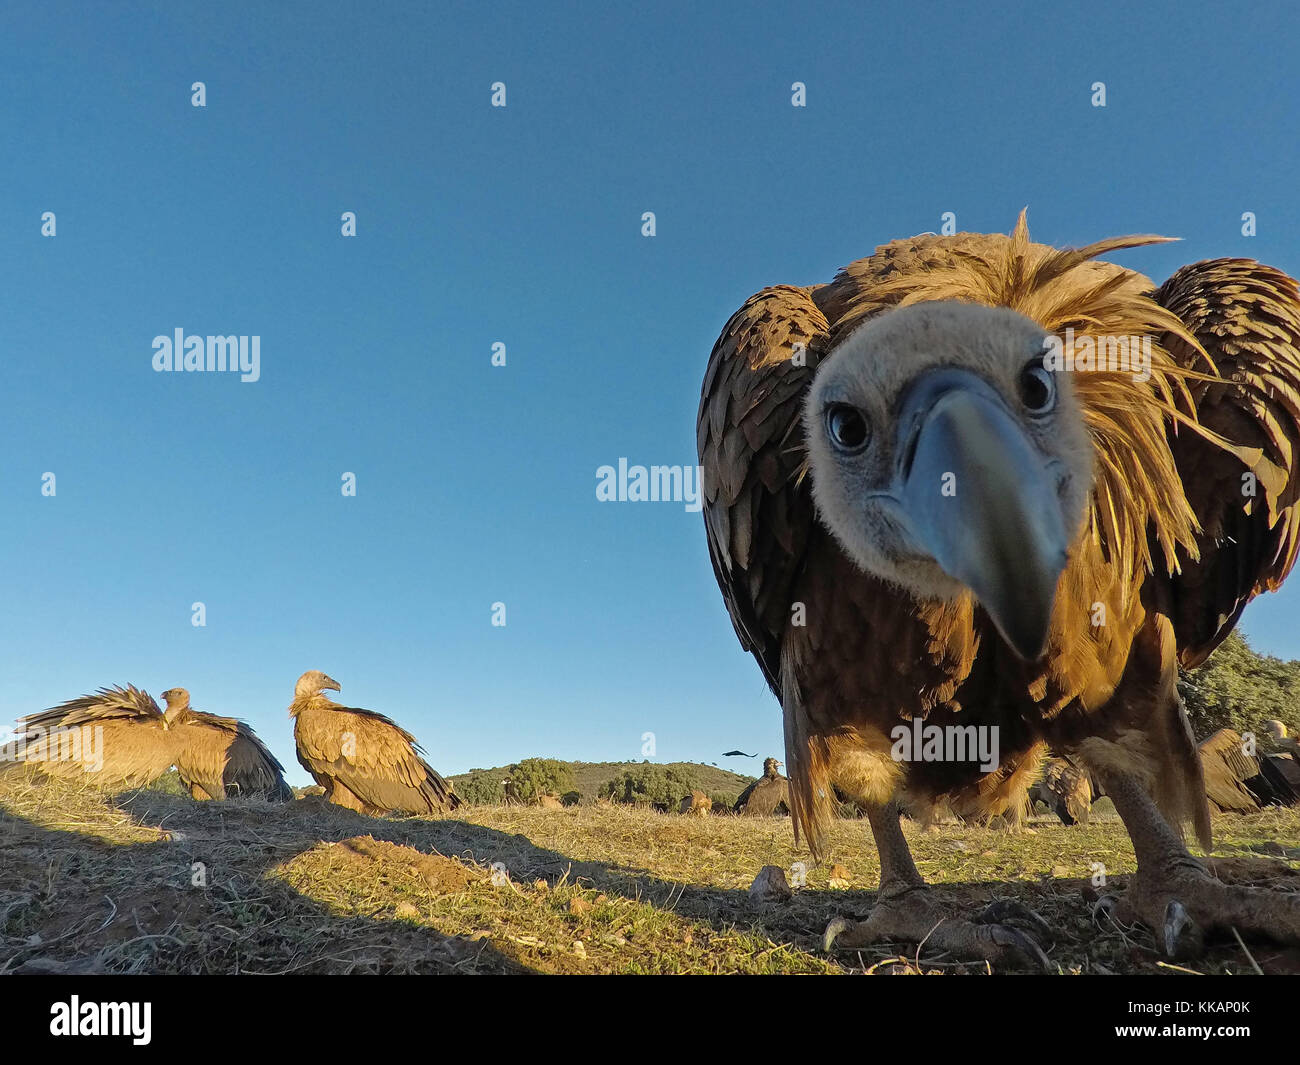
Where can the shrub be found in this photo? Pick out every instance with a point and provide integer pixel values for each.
(1239, 689)
(648, 784)
(482, 789)
(534, 777)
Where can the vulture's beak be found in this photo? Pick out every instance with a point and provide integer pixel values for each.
(332, 684)
(980, 499)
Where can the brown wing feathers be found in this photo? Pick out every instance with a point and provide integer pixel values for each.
(1246, 316)
(750, 441)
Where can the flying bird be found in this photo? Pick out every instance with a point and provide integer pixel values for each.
(927, 506)
(120, 738)
(363, 760)
(738, 754)
(768, 796)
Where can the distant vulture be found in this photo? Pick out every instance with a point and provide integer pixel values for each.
(768, 796)
(1232, 778)
(696, 803)
(1288, 743)
(738, 754)
(1066, 789)
(976, 481)
(120, 738)
(1283, 770)
(362, 759)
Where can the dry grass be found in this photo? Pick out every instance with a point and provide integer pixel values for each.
(91, 883)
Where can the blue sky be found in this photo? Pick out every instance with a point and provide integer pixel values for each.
(520, 225)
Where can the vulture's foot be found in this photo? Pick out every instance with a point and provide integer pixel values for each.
(914, 916)
(1182, 902)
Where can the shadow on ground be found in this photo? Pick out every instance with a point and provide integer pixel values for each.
(174, 886)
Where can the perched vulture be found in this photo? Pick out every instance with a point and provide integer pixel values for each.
(1229, 773)
(363, 760)
(1282, 771)
(1288, 743)
(697, 804)
(1066, 789)
(980, 489)
(120, 738)
(221, 757)
(768, 796)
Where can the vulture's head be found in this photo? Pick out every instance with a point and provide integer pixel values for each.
(945, 458)
(770, 767)
(313, 682)
(177, 701)
(176, 698)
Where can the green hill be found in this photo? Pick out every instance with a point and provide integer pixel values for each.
(591, 775)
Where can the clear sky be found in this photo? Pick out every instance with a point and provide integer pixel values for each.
(519, 225)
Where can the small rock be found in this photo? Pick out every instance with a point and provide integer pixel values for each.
(840, 877)
(579, 950)
(407, 912)
(770, 885)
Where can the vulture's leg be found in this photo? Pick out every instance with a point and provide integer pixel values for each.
(905, 910)
(1172, 893)
(341, 796)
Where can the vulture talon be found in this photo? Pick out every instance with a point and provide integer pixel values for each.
(1106, 906)
(1001, 910)
(1020, 945)
(915, 918)
(1182, 936)
(835, 930)
(1174, 896)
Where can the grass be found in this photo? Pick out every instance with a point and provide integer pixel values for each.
(154, 882)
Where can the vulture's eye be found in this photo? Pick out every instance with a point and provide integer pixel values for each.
(847, 427)
(1037, 388)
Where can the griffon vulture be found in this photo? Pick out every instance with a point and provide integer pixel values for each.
(218, 757)
(927, 505)
(1282, 771)
(120, 738)
(363, 760)
(1288, 743)
(768, 796)
(1232, 777)
(1066, 789)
